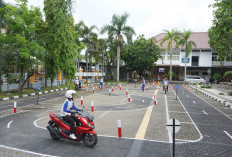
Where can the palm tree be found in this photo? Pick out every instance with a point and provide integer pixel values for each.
(184, 41)
(172, 37)
(86, 34)
(118, 28)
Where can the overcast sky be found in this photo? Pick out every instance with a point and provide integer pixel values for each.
(148, 17)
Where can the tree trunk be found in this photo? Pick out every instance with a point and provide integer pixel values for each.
(96, 67)
(51, 83)
(170, 64)
(86, 57)
(118, 59)
(20, 79)
(25, 81)
(185, 68)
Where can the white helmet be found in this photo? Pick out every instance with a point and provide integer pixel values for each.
(69, 93)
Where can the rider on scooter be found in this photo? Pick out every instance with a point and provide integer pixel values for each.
(165, 83)
(66, 113)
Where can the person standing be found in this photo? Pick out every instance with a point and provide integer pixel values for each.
(143, 84)
(101, 82)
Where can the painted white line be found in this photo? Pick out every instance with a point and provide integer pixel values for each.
(227, 134)
(25, 96)
(8, 125)
(191, 120)
(26, 151)
(167, 114)
(6, 98)
(15, 97)
(103, 114)
(176, 112)
(187, 96)
(32, 94)
(133, 138)
(123, 100)
(212, 106)
(205, 112)
(194, 102)
(36, 122)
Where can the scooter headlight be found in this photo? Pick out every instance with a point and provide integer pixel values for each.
(91, 126)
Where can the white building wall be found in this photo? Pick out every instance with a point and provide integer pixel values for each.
(205, 59)
(182, 55)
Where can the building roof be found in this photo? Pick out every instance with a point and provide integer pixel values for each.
(200, 38)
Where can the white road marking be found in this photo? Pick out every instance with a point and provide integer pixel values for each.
(212, 105)
(123, 100)
(194, 102)
(205, 112)
(227, 134)
(103, 114)
(167, 114)
(191, 120)
(36, 122)
(8, 125)
(187, 96)
(30, 152)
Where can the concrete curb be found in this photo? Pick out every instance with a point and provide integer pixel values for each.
(227, 104)
(31, 94)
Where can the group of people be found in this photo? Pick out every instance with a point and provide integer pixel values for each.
(165, 83)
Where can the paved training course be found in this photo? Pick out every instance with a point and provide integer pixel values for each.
(204, 128)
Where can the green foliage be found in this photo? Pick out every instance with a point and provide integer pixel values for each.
(217, 76)
(168, 75)
(228, 74)
(118, 28)
(171, 37)
(21, 52)
(230, 93)
(221, 94)
(61, 39)
(220, 34)
(206, 86)
(141, 55)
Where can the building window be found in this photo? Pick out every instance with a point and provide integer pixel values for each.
(205, 50)
(214, 56)
(195, 50)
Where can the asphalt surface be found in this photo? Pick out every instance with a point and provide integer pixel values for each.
(206, 127)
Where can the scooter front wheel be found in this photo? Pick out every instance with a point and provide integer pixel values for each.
(90, 140)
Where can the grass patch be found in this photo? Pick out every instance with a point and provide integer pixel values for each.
(221, 94)
(230, 93)
(121, 82)
(206, 86)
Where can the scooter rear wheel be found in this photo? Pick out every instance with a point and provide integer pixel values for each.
(90, 140)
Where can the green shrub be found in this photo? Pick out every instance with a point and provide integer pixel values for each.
(173, 75)
(206, 86)
(221, 93)
(230, 93)
(228, 74)
(217, 77)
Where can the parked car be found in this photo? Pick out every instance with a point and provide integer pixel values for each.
(194, 79)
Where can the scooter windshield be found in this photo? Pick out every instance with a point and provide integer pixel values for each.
(85, 114)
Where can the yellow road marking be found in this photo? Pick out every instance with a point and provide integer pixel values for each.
(143, 127)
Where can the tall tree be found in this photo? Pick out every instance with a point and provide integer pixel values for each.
(172, 37)
(142, 54)
(86, 33)
(21, 26)
(2, 25)
(220, 34)
(118, 28)
(187, 44)
(62, 48)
